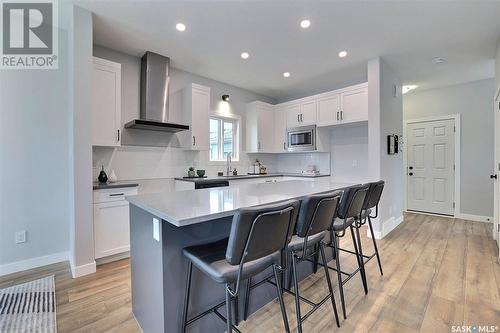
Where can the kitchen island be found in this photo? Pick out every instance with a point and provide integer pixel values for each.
(163, 223)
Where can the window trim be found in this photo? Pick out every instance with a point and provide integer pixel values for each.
(236, 120)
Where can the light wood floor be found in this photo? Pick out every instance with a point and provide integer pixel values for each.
(438, 272)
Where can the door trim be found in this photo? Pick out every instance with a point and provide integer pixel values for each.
(456, 119)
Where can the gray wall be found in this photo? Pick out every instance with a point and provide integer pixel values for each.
(34, 163)
(474, 102)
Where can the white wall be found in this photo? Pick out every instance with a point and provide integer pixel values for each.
(497, 69)
(349, 153)
(474, 102)
(80, 150)
(34, 166)
(385, 117)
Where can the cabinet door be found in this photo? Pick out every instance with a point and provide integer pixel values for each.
(308, 113)
(355, 105)
(280, 131)
(106, 103)
(200, 118)
(292, 115)
(265, 128)
(328, 110)
(111, 228)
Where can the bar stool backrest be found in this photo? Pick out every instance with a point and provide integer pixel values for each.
(352, 201)
(374, 193)
(316, 213)
(260, 231)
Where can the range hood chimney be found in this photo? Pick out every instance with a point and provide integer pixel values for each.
(155, 82)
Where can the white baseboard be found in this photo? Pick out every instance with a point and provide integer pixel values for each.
(477, 218)
(387, 226)
(23, 265)
(77, 271)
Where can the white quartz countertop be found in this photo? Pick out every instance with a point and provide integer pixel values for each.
(182, 208)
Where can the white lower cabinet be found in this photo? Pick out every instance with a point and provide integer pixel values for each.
(111, 221)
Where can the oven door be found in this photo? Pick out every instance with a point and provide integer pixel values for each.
(302, 138)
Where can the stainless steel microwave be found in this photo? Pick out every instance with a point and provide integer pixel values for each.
(301, 138)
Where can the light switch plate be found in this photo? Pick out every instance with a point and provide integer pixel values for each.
(156, 229)
(20, 236)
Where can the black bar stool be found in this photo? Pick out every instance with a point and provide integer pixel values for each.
(315, 218)
(259, 236)
(372, 200)
(350, 207)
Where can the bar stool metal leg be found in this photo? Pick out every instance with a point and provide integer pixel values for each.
(229, 319)
(375, 245)
(247, 299)
(330, 289)
(280, 298)
(339, 273)
(360, 258)
(186, 296)
(297, 299)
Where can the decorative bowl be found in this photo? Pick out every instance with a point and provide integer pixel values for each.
(200, 173)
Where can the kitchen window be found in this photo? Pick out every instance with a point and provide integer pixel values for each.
(223, 139)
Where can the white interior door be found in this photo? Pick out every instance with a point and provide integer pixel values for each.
(431, 175)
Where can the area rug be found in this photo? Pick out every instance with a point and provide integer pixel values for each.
(29, 307)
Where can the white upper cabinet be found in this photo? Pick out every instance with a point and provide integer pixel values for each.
(308, 112)
(280, 140)
(301, 113)
(196, 115)
(292, 115)
(260, 128)
(354, 105)
(348, 105)
(328, 109)
(106, 103)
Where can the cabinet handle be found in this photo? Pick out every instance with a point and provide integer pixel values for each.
(337, 115)
(301, 117)
(341, 115)
(298, 118)
(194, 140)
(284, 145)
(116, 194)
(118, 135)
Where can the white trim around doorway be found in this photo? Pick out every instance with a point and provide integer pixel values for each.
(458, 135)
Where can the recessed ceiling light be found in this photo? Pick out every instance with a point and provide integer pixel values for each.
(180, 27)
(286, 74)
(409, 87)
(439, 60)
(304, 24)
(342, 54)
(244, 55)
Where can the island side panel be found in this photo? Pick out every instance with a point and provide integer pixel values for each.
(146, 272)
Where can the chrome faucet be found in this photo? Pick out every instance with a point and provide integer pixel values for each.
(228, 163)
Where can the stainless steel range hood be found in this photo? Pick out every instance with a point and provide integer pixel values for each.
(155, 82)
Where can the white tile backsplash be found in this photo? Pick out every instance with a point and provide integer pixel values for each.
(134, 162)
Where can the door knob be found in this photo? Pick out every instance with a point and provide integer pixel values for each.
(411, 173)
(493, 176)
(411, 168)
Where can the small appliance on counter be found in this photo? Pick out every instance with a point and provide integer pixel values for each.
(311, 170)
(257, 168)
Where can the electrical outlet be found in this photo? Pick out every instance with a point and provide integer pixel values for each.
(354, 163)
(20, 236)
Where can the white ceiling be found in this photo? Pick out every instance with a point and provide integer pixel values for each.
(407, 34)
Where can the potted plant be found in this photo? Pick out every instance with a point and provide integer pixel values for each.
(191, 172)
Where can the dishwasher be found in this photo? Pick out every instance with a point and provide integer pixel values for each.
(210, 183)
